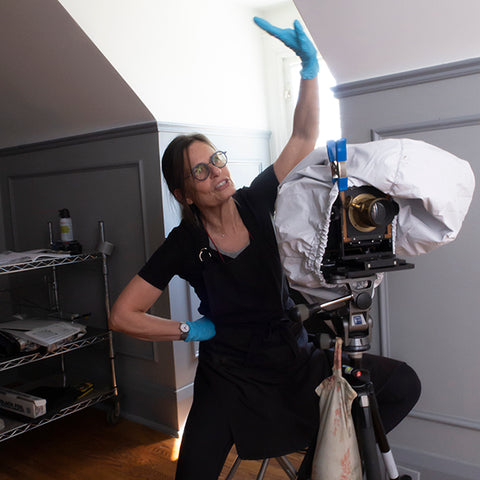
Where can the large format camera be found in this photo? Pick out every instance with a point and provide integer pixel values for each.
(360, 235)
(359, 247)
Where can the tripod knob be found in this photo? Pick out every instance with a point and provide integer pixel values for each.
(363, 301)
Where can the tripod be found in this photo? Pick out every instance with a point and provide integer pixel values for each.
(350, 320)
(369, 427)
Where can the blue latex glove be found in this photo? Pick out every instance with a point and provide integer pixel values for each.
(201, 329)
(296, 39)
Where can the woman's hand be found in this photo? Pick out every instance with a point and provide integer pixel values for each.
(201, 329)
(296, 39)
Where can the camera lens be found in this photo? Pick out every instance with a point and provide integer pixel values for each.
(382, 211)
(367, 212)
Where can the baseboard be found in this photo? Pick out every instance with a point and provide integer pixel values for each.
(149, 423)
(444, 468)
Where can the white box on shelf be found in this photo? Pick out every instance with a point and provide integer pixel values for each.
(22, 403)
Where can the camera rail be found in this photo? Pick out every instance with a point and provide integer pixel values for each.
(17, 427)
(48, 262)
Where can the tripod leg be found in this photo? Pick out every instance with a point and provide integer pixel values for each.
(366, 437)
(382, 441)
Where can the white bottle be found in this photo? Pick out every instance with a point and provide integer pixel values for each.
(66, 230)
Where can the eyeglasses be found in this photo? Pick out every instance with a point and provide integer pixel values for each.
(201, 171)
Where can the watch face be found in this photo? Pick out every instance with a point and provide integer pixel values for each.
(184, 327)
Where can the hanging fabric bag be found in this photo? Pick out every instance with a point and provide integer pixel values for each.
(336, 455)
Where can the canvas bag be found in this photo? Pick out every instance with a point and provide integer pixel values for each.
(336, 454)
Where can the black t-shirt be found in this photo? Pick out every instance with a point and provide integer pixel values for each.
(180, 252)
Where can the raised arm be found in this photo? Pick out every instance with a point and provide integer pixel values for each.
(305, 129)
(306, 117)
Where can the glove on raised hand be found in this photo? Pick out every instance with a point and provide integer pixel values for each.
(201, 329)
(296, 39)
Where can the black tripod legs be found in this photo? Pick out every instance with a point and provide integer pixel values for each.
(366, 436)
(370, 433)
(382, 441)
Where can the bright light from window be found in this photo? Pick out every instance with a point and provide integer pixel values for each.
(330, 128)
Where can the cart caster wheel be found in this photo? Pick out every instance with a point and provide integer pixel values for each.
(114, 414)
(112, 417)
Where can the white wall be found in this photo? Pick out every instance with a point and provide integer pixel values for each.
(189, 61)
(202, 63)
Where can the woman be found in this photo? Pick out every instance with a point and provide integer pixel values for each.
(257, 372)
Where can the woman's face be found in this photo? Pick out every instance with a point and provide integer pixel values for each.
(213, 191)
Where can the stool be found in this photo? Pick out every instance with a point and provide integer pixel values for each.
(283, 461)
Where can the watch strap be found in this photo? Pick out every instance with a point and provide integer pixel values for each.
(184, 330)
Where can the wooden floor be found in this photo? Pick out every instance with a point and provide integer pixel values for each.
(83, 446)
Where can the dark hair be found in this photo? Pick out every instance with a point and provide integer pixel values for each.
(175, 173)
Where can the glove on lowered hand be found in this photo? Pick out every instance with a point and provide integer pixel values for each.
(201, 329)
(296, 39)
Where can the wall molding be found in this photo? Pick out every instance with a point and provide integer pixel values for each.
(443, 124)
(131, 168)
(212, 130)
(138, 129)
(384, 322)
(452, 420)
(383, 309)
(130, 130)
(406, 79)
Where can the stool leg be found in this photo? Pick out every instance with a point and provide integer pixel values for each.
(283, 461)
(232, 471)
(263, 469)
(287, 466)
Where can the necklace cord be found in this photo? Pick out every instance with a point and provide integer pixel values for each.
(216, 248)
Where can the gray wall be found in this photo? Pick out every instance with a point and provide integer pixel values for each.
(432, 313)
(110, 176)
(114, 176)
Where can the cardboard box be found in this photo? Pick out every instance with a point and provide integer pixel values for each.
(22, 403)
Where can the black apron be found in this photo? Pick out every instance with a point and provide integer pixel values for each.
(260, 369)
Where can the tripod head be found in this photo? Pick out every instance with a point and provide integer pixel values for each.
(347, 317)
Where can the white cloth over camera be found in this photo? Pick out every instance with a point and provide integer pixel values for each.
(432, 187)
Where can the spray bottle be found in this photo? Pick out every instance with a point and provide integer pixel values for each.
(66, 230)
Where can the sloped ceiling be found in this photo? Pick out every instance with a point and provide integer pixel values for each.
(361, 39)
(54, 82)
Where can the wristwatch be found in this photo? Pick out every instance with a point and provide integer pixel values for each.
(184, 330)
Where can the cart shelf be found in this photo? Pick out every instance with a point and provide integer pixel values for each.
(15, 426)
(92, 336)
(48, 262)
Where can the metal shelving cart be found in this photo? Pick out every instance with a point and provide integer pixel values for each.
(15, 425)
